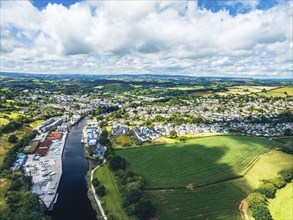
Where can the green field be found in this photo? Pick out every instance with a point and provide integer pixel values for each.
(281, 207)
(218, 201)
(3, 121)
(5, 145)
(245, 90)
(222, 158)
(267, 167)
(288, 90)
(196, 178)
(112, 202)
(122, 141)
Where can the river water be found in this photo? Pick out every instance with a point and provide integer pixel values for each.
(73, 202)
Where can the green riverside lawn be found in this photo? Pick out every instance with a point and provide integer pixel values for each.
(195, 179)
(112, 202)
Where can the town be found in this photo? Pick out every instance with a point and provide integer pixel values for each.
(117, 119)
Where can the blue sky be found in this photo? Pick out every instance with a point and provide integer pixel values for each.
(200, 38)
(213, 5)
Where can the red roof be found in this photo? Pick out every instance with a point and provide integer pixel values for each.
(42, 151)
(46, 143)
(54, 136)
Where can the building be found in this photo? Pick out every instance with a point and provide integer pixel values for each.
(55, 136)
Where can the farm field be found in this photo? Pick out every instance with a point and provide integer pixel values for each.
(223, 158)
(267, 167)
(218, 201)
(196, 178)
(288, 90)
(112, 202)
(245, 90)
(281, 206)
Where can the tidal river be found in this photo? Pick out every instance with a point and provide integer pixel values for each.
(73, 202)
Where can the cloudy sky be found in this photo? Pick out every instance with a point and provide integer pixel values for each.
(250, 38)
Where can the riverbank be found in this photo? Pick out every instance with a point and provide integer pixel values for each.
(73, 202)
(46, 172)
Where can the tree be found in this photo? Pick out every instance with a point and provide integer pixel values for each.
(261, 212)
(268, 189)
(95, 182)
(117, 163)
(12, 138)
(286, 175)
(144, 210)
(101, 190)
(255, 199)
(287, 132)
(173, 134)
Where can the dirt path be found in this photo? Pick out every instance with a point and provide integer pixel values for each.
(243, 209)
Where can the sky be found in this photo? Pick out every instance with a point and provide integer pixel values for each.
(239, 38)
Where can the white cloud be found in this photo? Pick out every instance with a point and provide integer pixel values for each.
(145, 37)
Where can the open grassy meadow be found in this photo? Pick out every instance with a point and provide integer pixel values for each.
(122, 141)
(288, 90)
(3, 121)
(245, 90)
(5, 145)
(281, 207)
(266, 167)
(198, 161)
(197, 179)
(112, 202)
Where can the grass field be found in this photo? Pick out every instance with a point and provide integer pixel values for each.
(288, 90)
(196, 179)
(267, 167)
(219, 201)
(198, 161)
(271, 94)
(281, 207)
(37, 123)
(112, 202)
(121, 141)
(12, 115)
(165, 140)
(5, 145)
(245, 90)
(3, 121)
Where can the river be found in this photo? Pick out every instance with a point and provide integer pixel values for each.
(73, 202)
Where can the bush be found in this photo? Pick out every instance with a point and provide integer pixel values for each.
(95, 182)
(144, 210)
(286, 175)
(261, 212)
(173, 134)
(117, 163)
(268, 189)
(255, 199)
(100, 190)
(12, 138)
(278, 182)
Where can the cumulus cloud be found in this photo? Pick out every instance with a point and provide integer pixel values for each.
(173, 37)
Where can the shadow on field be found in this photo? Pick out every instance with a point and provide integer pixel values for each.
(165, 167)
(190, 180)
